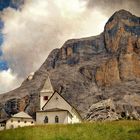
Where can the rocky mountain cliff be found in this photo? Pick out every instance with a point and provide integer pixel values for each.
(99, 75)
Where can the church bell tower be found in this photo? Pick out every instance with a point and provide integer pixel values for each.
(46, 92)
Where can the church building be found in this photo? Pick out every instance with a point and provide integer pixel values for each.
(54, 108)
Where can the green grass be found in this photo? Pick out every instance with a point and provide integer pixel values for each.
(117, 130)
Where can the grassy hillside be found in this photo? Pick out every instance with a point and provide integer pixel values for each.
(119, 130)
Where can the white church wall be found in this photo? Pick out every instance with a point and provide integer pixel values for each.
(76, 118)
(69, 118)
(19, 122)
(58, 102)
(62, 115)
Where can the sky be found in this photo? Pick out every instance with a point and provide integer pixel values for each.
(31, 29)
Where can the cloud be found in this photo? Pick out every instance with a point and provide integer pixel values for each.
(110, 6)
(8, 81)
(30, 34)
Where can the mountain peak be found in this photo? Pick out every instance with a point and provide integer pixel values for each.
(123, 14)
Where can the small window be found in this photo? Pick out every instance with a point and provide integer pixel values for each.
(25, 121)
(18, 121)
(3, 125)
(46, 120)
(56, 119)
(32, 122)
(11, 120)
(45, 97)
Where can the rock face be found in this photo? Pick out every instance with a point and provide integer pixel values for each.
(103, 110)
(98, 75)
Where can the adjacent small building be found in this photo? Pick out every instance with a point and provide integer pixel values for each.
(20, 119)
(54, 108)
(2, 124)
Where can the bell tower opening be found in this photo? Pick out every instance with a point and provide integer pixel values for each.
(46, 98)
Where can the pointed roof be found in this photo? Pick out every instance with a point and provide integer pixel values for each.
(22, 115)
(3, 120)
(47, 86)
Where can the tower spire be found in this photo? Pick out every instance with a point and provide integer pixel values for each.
(47, 86)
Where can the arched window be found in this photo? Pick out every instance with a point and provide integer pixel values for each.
(46, 119)
(56, 119)
(12, 126)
